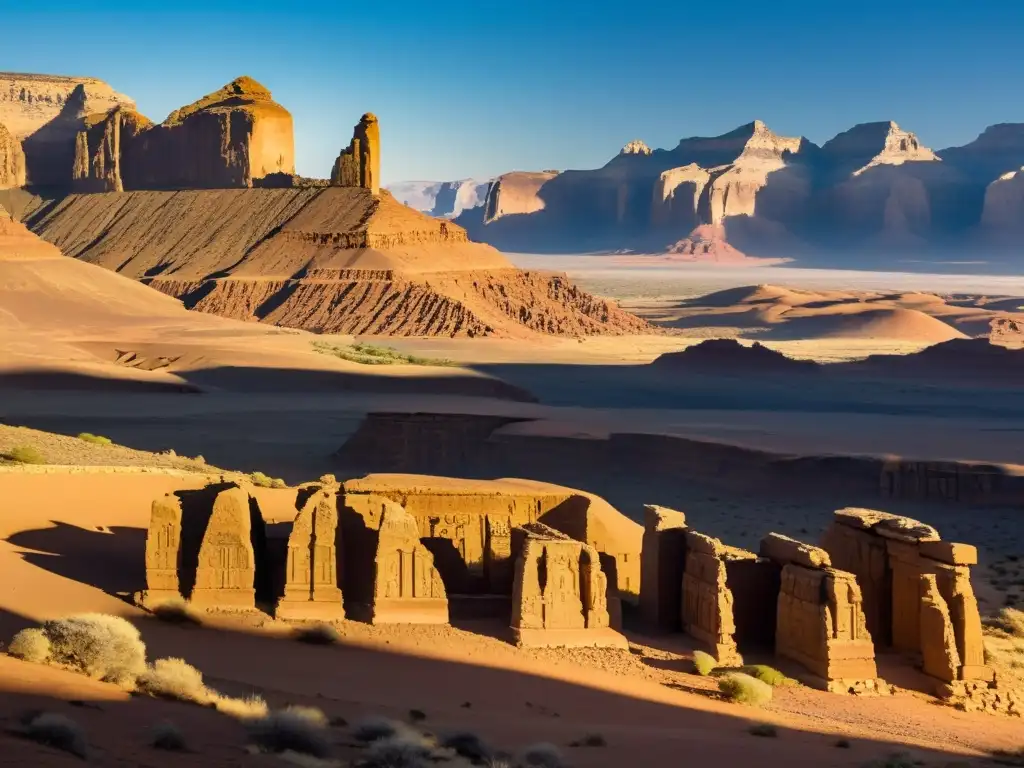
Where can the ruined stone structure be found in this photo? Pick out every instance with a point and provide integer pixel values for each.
(163, 552)
(226, 568)
(663, 561)
(820, 623)
(891, 556)
(560, 593)
(312, 569)
(359, 164)
(707, 606)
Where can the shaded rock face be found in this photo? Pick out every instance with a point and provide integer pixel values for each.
(359, 164)
(99, 148)
(12, 160)
(444, 199)
(46, 112)
(1003, 211)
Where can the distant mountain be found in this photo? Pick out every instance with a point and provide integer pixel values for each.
(874, 193)
(444, 199)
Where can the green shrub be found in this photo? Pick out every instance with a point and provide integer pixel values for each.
(89, 437)
(277, 482)
(30, 645)
(290, 730)
(745, 689)
(101, 646)
(174, 679)
(766, 674)
(371, 354)
(57, 731)
(166, 736)
(261, 480)
(704, 663)
(26, 454)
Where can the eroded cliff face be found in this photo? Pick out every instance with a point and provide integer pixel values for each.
(46, 112)
(99, 148)
(12, 160)
(516, 193)
(358, 165)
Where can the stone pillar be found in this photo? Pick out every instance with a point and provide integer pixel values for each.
(498, 565)
(662, 563)
(163, 553)
(359, 164)
(560, 593)
(938, 641)
(226, 570)
(311, 587)
(707, 605)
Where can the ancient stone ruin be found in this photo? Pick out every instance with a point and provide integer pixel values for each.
(359, 164)
(314, 551)
(560, 593)
(662, 566)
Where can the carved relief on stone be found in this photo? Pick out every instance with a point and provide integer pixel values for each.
(163, 547)
(226, 569)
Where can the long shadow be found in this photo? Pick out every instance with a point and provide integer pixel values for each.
(509, 708)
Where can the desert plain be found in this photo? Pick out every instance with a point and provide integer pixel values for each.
(158, 342)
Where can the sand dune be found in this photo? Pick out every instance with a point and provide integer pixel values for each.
(865, 323)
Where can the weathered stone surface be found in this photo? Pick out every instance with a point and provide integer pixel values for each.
(821, 626)
(707, 608)
(938, 641)
(560, 593)
(225, 574)
(662, 563)
(100, 146)
(784, 550)
(163, 552)
(12, 160)
(954, 584)
(359, 164)
(314, 555)
(853, 548)
(949, 552)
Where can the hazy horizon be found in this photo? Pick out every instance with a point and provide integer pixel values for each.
(472, 90)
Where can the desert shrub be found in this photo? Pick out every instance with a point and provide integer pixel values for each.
(101, 646)
(30, 645)
(314, 715)
(467, 745)
(1010, 621)
(745, 689)
(290, 730)
(176, 611)
(766, 674)
(764, 729)
(371, 354)
(402, 751)
(277, 482)
(542, 756)
(167, 736)
(375, 728)
(174, 679)
(704, 663)
(89, 437)
(57, 731)
(317, 634)
(261, 480)
(250, 708)
(26, 454)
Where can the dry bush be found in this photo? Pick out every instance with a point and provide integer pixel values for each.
(375, 728)
(317, 634)
(468, 745)
(174, 679)
(1009, 621)
(89, 437)
(402, 751)
(704, 663)
(290, 730)
(250, 708)
(745, 689)
(542, 756)
(30, 645)
(312, 714)
(176, 611)
(766, 674)
(57, 731)
(101, 646)
(26, 454)
(262, 480)
(167, 736)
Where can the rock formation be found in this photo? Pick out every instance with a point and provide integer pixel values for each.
(359, 164)
(45, 113)
(707, 606)
(443, 199)
(515, 194)
(12, 160)
(163, 552)
(312, 569)
(663, 562)
(100, 147)
(1003, 211)
(560, 591)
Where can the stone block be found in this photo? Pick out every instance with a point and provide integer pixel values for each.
(949, 552)
(163, 552)
(662, 562)
(707, 605)
(784, 550)
(226, 569)
(855, 549)
(938, 641)
(313, 563)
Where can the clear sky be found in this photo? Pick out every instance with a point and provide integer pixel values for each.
(478, 87)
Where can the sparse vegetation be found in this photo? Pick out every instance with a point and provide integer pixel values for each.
(468, 745)
(766, 730)
(174, 679)
(261, 480)
(371, 354)
(408, 750)
(1009, 621)
(105, 647)
(25, 454)
(89, 437)
(704, 663)
(312, 714)
(57, 731)
(168, 737)
(317, 634)
(767, 674)
(176, 612)
(250, 708)
(290, 730)
(745, 689)
(542, 756)
(30, 645)
(371, 729)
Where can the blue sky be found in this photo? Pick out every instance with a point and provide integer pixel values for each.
(477, 88)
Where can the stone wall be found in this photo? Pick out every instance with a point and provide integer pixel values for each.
(313, 564)
(708, 604)
(663, 561)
